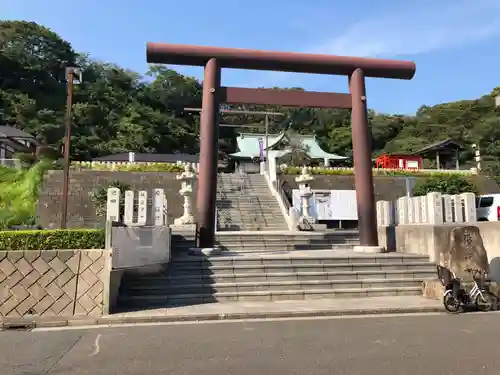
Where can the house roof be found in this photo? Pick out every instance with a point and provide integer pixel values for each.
(445, 145)
(248, 145)
(151, 158)
(10, 132)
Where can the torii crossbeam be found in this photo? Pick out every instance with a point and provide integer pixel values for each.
(213, 59)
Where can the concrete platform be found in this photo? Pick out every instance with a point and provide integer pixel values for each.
(246, 310)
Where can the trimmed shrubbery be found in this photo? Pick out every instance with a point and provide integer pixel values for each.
(376, 172)
(453, 184)
(57, 239)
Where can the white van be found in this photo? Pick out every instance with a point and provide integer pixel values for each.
(488, 207)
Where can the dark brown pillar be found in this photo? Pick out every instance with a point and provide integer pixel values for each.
(362, 152)
(207, 182)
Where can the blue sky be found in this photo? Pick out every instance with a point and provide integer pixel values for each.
(455, 43)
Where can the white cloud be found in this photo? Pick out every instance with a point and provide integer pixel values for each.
(416, 29)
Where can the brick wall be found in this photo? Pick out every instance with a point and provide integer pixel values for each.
(81, 210)
(53, 283)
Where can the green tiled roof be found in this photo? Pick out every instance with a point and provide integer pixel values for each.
(248, 145)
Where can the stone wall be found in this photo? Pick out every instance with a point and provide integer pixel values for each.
(81, 210)
(453, 245)
(54, 283)
(386, 188)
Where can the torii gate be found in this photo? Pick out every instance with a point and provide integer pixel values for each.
(215, 58)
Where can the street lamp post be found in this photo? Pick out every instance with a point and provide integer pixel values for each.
(73, 76)
(267, 144)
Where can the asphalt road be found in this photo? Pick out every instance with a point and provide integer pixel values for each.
(424, 344)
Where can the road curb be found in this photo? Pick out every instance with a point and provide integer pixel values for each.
(32, 323)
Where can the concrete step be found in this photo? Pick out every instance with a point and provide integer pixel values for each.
(299, 294)
(167, 279)
(198, 288)
(306, 267)
(238, 248)
(310, 258)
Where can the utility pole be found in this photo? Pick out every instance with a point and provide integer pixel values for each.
(267, 143)
(71, 72)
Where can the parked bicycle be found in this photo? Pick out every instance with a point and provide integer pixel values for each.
(479, 295)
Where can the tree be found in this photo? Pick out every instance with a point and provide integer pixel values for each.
(117, 110)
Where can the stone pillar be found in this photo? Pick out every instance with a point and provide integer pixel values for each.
(388, 216)
(423, 210)
(434, 208)
(469, 200)
(458, 208)
(142, 208)
(447, 209)
(113, 205)
(159, 208)
(380, 213)
(128, 217)
(417, 211)
(411, 211)
(403, 210)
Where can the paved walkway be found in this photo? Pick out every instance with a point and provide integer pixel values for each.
(245, 310)
(319, 307)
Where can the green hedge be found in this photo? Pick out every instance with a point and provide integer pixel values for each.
(128, 167)
(57, 239)
(376, 172)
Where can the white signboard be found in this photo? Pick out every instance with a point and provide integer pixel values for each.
(329, 204)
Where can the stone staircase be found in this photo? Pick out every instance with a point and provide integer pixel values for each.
(271, 242)
(245, 203)
(298, 275)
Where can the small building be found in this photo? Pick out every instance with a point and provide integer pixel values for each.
(399, 161)
(446, 153)
(13, 140)
(252, 147)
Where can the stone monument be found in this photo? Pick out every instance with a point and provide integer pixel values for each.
(465, 250)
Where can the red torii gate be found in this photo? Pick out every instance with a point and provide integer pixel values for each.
(215, 58)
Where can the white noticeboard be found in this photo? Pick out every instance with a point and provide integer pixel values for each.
(329, 204)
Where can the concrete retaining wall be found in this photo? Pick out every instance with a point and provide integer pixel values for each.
(81, 208)
(54, 283)
(438, 241)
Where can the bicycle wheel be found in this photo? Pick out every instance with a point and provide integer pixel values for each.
(485, 302)
(450, 304)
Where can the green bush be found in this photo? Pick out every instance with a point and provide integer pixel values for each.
(128, 167)
(58, 239)
(100, 197)
(453, 184)
(19, 194)
(376, 172)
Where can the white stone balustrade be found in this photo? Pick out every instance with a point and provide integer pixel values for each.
(158, 213)
(434, 208)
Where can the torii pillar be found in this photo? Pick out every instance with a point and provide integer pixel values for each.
(213, 59)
